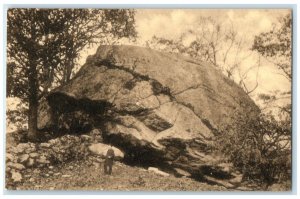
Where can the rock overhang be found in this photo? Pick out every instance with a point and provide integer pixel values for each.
(153, 100)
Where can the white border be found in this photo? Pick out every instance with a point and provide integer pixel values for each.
(158, 3)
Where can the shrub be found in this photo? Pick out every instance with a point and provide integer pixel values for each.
(259, 147)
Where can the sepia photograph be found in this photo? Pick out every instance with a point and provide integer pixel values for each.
(137, 99)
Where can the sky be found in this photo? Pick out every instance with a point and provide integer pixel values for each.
(248, 23)
(171, 23)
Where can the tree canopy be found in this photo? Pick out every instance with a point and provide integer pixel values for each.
(43, 46)
(54, 38)
(276, 46)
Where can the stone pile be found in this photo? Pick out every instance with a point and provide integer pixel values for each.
(27, 156)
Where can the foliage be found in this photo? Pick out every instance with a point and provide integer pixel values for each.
(43, 46)
(54, 39)
(276, 46)
(279, 104)
(260, 147)
(16, 115)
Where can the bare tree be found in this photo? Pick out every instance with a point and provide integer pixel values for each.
(216, 43)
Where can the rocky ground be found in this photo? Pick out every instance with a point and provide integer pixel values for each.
(79, 170)
(88, 175)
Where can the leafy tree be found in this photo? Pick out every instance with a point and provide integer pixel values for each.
(43, 46)
(275, 45)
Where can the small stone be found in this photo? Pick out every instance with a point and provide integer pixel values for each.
(31, 180)
(66, 176)
(16, 176)
(30, 162)
(33, 155)
(9, 157)
(32, 145)
(50, 172)
(57, 174)
(51, 167)
(238, 179)
(16, 166)
(46, 175)
(23, 158)
(43, 160)
(45, 145)
(14, 150)
(51, 188)
(56, 149)
(101, 149)
(71, 167)
(30, 149)
(159, 172)
(22, 147)
(182, 172)
(36, 171)
(53, 141)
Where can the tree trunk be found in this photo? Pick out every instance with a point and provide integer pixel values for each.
(33, 102)
(32, 120)
(33, 85)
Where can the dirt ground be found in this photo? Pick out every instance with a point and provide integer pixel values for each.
(88, 174)
(85, 175)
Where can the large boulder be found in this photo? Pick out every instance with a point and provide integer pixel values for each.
(156, 107)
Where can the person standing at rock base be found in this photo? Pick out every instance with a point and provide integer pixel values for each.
(109, 160)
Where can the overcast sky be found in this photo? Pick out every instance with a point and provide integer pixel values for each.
(171, 23)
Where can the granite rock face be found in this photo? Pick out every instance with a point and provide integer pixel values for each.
(156, 107)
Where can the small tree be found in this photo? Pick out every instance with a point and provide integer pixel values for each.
(260, 147)
(44, 44)
(276, 45)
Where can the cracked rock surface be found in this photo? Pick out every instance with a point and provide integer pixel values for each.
(157, 107)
